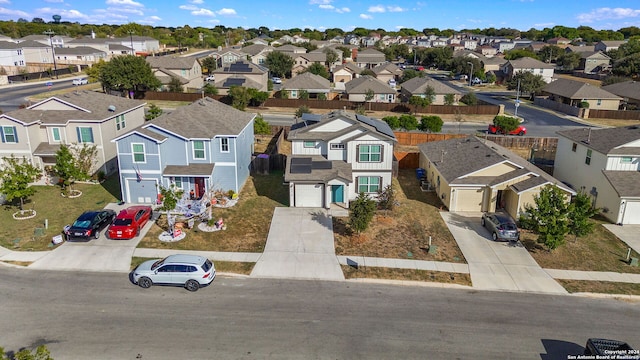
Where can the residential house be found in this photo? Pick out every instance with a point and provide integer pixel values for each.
(79, 117)
(558, 41)
(342, 74)
(141, 45)
(81, 55)
(117, 50)
(504, 46)
(333, 49)
(96, 43)
(473, 174)
(241, 73)
(312, 84)
(439, 42)
(36, 53)
(534, 66)
(369, 58)
(629, 91)
(488, 51)
(302, 62)
(227, 56)
(608, 45)
(417, 86)
(605, 164)
(56, 40)
(469, 44)
(203, 146)
(536, 46)
(185, 69)
(12, 57)
(388, 73)
(573, 92)
(257, 53)
(594, 62)
(580, 48)
(358, 89)
(290, 50)
(336, 156)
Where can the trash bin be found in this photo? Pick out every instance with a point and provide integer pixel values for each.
(420, 173)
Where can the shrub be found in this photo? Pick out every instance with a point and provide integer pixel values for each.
(431, 124)
(469, 99)
(506, 123)
(392, 121)
(583, 105)
(408, 122)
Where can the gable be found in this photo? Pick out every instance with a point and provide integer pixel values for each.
(55, 104)
(333, 126)
(495, 170)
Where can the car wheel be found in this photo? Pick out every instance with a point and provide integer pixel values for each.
(96, 234)
(145, 282)
(192, 285)
(482, 222)
(138, 231)
(521, 133)
(495, 237)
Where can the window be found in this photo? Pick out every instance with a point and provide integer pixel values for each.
(224, 145)
(55, 134)
(138, 153)
(587, 160)
(368, 184)
(626, 160)
(9, 134)
(574, 147)
(294, 94)
(370, 153)
(177, 182)
(337, 146)
(120, 124)
(198, 149)
(309, 144)
(85, 135)
(599, 102)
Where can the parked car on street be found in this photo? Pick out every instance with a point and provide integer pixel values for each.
(89, 224)
(190, 271)
(82, 81)
(501, 226)
(129, 221)
(520, 130)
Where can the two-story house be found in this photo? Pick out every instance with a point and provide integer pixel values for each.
(80, 117)
(536, 67)
(605, 164)
(369, 58)
(204, 146)
(185, 69)
(336, 156)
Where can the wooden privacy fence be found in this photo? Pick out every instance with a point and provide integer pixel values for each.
(614, 114)
(415, 138)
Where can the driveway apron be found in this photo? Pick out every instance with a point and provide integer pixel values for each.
(299, 246)
(497, 265)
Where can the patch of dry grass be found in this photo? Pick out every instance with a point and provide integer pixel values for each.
(603, 287)
(613, 122)
(405, 274)
(404, 232)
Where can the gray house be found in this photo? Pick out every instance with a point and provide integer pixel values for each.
(204, 146)
(311, 83)
(417, 86)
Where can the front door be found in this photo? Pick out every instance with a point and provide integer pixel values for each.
(199, 187)
(337, 193)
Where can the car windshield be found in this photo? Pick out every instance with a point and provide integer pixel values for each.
(83, 224)
(157, 264)
(207, 265)
(122, 222)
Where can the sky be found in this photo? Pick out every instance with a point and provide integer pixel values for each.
(343, 14)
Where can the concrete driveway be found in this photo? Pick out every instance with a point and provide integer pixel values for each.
(497, 265)
(299, 246)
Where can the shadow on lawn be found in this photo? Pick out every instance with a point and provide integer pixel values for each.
(272, 187)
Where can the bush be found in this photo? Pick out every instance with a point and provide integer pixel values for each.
(583, 105)
(302, 109)
(469, 99)
(392, 121)
(260, 126)
(431, 124)
(408, 122)
(506, 123)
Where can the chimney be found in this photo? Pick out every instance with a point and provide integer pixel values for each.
(354, 54)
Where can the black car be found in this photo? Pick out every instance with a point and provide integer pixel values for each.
(89, 224)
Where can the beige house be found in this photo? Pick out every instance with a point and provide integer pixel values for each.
(536, 67)
(80, 117)
(417, 87)
(388, 73)
(572, 93)
(472, 174)
(257, 53)
(302, 62)
(312, 84)
(605, 164)
(369, 58)
(357, 89)
(629, 91)
(185, 69)
(344, 73)
(241, 73)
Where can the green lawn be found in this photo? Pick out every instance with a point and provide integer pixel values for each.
(31, 235)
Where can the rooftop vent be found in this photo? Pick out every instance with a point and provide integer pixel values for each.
(112, 108)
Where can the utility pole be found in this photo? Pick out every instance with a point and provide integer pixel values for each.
(53, 54)
(470, 72)
(131, 39)
(517, 99)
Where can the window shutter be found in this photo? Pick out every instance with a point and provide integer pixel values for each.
(91, 135)
(78, 133)
(15, 134)
(357, 154)
(1, 134)
(381, 153)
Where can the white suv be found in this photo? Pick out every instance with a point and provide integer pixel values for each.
(190, 271)
(82, 81)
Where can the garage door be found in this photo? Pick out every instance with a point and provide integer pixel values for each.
(309, 195)
(469, 200)
(141, 192)
(631, 213)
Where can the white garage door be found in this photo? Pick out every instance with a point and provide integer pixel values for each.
(469, 200)
(309, 195)
(631, 213)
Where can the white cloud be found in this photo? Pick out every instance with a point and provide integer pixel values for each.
(226, 11)
(607, 14)
(197, 1)
(326, 6)
(543, 25)
(5, 2)
(343, 10)
(203, 12)
(395, 9)
(126, 10)
(53, 1)
(366, 16)
(154, 18)
(377, 9)
(11, 12)
(124, 3)
(333, 8)
(188, 7)
(320, 2)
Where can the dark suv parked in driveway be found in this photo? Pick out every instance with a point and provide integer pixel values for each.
(501, 226)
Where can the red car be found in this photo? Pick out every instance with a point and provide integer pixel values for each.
(520, 130)
(129, 221)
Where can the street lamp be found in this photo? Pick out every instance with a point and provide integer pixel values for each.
(53, 54)
(517, 98)
(470, 72)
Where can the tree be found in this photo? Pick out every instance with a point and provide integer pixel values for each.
(580, 211)
(303, 95)
(519, 53)
(95, 70)
(408, 122)
(209, 63)
(528, 82)
(368, 72)
(302, 109)
(550, 217)
(392, 121)
(331, 57)
(153, 112)
(84, 158)
(568, 61)
(240, 97)
(15, 177)
(175, 85)
(431, 124)
(170, 198)
(361, 211)
(210, 89)
(449, 99)
(279, 63)
(469, 98)
(368, 96)
(628, 66)
(260, 126)
(65, 167)
(41, 353)
(429, 94)
(257, 97)
(410, 74)
(128, 72)
(419, 101)
(614, 79)
(506, 123)
(318, 69)
(387, 198)
(549, 53)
